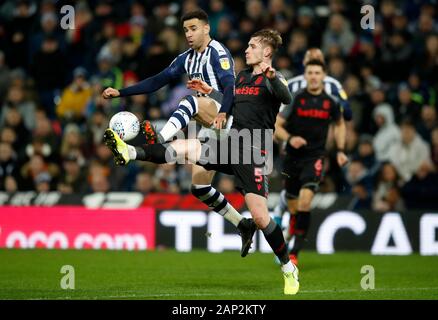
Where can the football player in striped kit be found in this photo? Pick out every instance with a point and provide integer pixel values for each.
(206, 59)
(210, 61)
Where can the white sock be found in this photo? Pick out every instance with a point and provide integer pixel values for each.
(169, 130)
(288, 267)
(132, 152)
(232, 215)
(187, 108)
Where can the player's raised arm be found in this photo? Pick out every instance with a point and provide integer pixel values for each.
(278, 84)
(150, 84)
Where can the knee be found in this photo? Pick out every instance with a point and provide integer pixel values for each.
(261, 220)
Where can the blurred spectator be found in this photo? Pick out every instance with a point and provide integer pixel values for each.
(337, 68)
(338, 34)
(428, 60)
(388, 133)
(43, 182)
(144, 183)
(72, 140)
(421, 93)
(427, 123)
(49, 27)
(14, 120)
(185, 177)
(132, 58)
(16, 99)
(19, 29)
(74, 98)
(298, 45)
(307, 23)
(5, 76)
(387, 195)
(46, 136)
(96, 126)
(73, 179)
(166, 179)
(407, 107)
(110, 76)
(115, 174)
(32, 170)
(365, 153)
(410, 153)
(49, 69)
(9, 167)
(217, 11)
(356, 98)
(396, 57)
(359, 184)
(255, 11)
(99, 183)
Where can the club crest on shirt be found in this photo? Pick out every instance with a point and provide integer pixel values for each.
(258, 80)
(225, 63)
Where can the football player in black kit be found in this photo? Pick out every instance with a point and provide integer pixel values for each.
(303, 125)
(259, 92)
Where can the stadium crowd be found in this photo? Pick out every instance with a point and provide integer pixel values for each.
(52, 115)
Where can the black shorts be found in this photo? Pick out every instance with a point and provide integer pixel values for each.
(249, 175)
(302, 173)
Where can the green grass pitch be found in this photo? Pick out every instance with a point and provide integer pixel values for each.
(35, 274)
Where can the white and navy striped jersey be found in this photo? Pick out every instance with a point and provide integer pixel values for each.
(331, 86)
(211, 65)
(214, 65)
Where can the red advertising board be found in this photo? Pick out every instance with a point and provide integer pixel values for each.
(77, 228)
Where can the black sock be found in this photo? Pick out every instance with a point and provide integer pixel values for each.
(301, 229)
(156, 153)
(274, 236)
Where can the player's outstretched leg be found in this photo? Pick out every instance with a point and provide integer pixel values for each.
(117, 146)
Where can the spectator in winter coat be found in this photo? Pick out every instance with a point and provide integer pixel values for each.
(410, 153)
(388, 133)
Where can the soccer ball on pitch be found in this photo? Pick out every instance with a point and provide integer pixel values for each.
(125, 124)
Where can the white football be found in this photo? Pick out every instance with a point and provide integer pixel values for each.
(125, 124)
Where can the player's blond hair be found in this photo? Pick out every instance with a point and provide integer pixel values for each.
(269, 37)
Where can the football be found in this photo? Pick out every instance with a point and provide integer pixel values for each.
(125, 124)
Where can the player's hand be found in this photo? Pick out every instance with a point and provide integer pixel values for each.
(268, 70)
(342, 158)
(109, 93)
(220, 120)
(297, 142)
(199, 85)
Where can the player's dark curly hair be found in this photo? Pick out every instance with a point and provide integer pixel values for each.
(196, 14)
(316, 62)
(269, 37)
